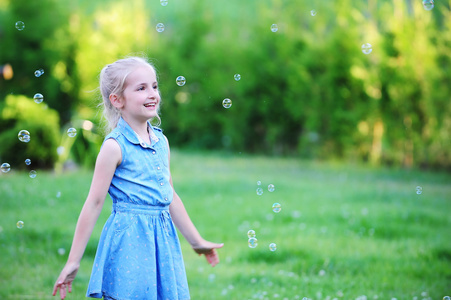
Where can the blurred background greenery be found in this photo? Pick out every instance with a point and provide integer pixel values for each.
(307, 93)
(306, 90)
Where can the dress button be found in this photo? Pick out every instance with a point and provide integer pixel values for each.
(153, 152)
(142, 144)
(161, 183)
(165, 199)
(158, 168)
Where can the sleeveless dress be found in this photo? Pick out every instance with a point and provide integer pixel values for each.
(139, 255)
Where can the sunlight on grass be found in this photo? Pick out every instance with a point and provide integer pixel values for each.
(344, 230)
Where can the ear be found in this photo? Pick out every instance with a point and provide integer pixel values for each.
(116, 101)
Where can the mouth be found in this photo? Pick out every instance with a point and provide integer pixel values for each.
(150, 105)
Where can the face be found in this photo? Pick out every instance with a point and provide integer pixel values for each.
(141, 97)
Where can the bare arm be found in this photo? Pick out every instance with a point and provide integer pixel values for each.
(107, 160)
(188, 230)
(183, 222)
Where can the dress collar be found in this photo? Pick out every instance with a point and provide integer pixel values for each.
(133, 137)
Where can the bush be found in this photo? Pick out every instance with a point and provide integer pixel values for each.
(21, 113)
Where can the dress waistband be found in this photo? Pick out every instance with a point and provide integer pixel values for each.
(140, 209)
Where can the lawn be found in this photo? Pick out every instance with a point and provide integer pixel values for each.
(344, 231)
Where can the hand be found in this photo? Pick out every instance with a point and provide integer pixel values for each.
(64, 281)
(209, 250)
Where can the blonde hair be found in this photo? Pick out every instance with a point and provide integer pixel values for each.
(112, 81)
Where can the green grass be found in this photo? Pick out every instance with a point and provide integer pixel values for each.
(344, 230)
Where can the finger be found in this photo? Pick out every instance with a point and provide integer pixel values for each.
(56, 287)
(208, 259)
(63, 291)
(213, 262)
(213, 258)
(69, 284)
(213, 246)
(217, 246)
(216, 257)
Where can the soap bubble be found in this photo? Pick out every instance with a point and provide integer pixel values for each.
(252, 242)
(251, 233)
(419, 190)
(19, 224)
(72, 132)
(24, 136)
(276, 207)
(164, 2)
(313, 12)
(61, 251)
(58, 194)
(447, 298)
(28, 161)
(20, 25)
(180, 81)
(38, 73)
(271, 187)
(274, 28)
(237, 77)
(367, 48)
(259, 191)
(428, 4)
(60, 150)
(259, 182)
(32, 174)
(6, 167)
(160, 27)
(227, 103)
(272, 247)
(38, 98)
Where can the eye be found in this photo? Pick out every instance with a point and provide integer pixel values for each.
(155, 87)
(141, 88)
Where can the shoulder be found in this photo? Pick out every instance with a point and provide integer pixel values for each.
(111, 150)
(115, 134)
(110, 146)
(114, 138)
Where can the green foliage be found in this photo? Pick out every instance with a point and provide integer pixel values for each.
(306, 90)
(343, 229)
(81, 149)
(44, 43)
(20, 113)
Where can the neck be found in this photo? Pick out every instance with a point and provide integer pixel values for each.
(140, 128)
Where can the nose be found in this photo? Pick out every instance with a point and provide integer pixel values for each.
(153, 94)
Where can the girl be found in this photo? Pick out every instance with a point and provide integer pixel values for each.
(139, 255)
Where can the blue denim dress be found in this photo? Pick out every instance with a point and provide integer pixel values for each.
(139, 256)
